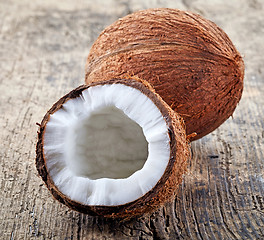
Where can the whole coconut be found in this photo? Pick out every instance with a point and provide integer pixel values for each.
(190, 62)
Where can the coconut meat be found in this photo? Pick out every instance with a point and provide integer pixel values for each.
(109, 146)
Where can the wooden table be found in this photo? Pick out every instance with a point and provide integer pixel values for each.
(43, 46)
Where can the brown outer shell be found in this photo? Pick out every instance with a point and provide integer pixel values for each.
(166, 186)
(191, 63)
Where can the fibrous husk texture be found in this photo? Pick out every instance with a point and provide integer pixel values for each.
(166, 187)
(190, 62)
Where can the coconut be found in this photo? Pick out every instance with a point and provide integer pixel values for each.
(191, 63)
(112, 148)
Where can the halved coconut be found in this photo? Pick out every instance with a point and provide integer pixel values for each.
(112, 148)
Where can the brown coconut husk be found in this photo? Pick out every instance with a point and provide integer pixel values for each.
(191, 63)
(166, 187)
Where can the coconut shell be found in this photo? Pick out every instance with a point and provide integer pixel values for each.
(166, 187)
(191, 63)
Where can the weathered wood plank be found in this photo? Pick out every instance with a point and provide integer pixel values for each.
(43, 46)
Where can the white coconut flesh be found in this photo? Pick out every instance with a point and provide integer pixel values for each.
(109, 146)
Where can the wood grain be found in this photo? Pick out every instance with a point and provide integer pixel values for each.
(43, 46)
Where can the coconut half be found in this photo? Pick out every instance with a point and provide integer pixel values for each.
(112, 148)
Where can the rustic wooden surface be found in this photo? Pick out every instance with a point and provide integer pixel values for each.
(43, 46)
